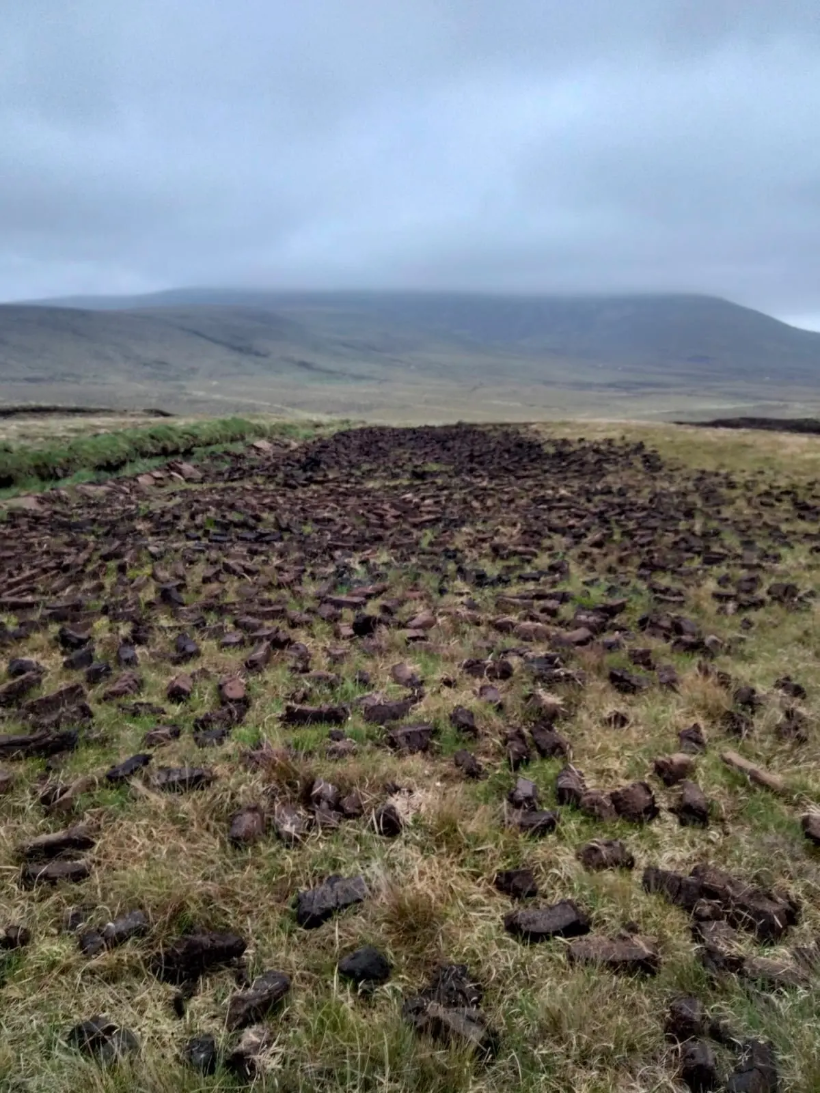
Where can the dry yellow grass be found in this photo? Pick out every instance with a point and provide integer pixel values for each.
(432, 898)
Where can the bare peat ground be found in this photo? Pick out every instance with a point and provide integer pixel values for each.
(459, 758)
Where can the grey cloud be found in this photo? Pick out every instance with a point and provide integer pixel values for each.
(423, 143)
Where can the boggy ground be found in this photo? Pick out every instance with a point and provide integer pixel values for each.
(498, 683)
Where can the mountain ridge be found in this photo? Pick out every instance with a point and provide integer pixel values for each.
(223, 344)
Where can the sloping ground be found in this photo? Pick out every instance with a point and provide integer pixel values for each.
(385, 356)
(477, 702)
(810, 426)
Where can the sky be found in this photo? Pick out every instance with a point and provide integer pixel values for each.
(527, 146)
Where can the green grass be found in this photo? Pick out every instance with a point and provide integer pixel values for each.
(128, 450)
(432, 894)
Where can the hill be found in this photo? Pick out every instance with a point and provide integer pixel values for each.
(377, 353)
(429, 760)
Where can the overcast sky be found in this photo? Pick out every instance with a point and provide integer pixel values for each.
(523, 145)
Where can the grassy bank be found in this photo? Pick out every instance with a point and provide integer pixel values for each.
(26, 467)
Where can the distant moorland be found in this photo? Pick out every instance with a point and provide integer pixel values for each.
(411, 357)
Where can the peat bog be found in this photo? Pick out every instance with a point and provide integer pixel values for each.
(453, 758)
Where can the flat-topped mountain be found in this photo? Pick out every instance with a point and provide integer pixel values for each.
(195, 346)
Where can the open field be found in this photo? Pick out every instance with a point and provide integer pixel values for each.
(409, 358)
(418, 659)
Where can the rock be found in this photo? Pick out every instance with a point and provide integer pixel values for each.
(678, 889)
(605, 854)
(66, 704)
(91, 943)
(672, 769)
(18, 687)
(570, 786)
(410, 739)
(55, 871)
(41, 744)
(324, 795)
(668, 677)
(766, 914)
(260, 657)
(464, 1027)
(289, 824)
(316, 905)
(517, 748)
(464, 720)
(635, 803)
(20, 666)
(489, 669)
(635, 955)
(341, 749)
(14, 937)
(627, 683)
(692, 808)
(160, 736)
(212, 738)
(200, 1054)
(548, 743)
(315, 715)
(535, 823)
(252, 1006)
(737, 723)
(467, 763)
(122, 929)
(516, 883)
(489, 693)
(232, 690)
(103, 1040)
(382, 713)
(448, 1011)
(686, 1019)
(125, 770)
(128, 683)
(59, 797)
(774, 974)
(597, 805)
(351, 806)
(747, 698)
(692, 739)
(127, 656)
(642, 658)
(562, 919)
(698, 1067)
(365, 967)
(794, 726)
(811, 827)
(182, 779)
(247, 826)
(185, 648)
(524, 795)
(97, 672)
(195, 954)
(58, 844)
(581, 635)
(387, 821)
(787, 686)
(71, 639)
(247, 1061)
(180, 688)
(405, 676)
(756, 1071)
(426, 620)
